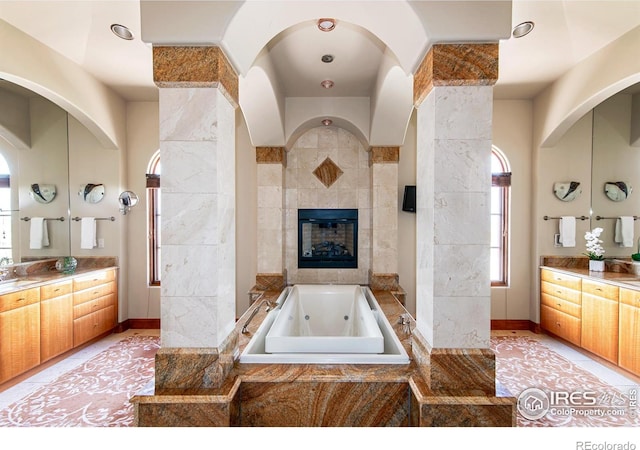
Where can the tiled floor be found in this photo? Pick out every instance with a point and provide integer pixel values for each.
(607, 374)
(613, 376)
(14, 393)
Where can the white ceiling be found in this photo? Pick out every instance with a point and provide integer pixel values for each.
(566, 32)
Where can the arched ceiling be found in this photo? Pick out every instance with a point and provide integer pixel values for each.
(277, 49)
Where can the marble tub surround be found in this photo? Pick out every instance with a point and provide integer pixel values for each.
(351, 190)
(384, 281)
(323, 394)
(198, 96)
(454, 99)
(179, 369)
(270, 281)
(270, 228)
(384, 212)
(192, 67)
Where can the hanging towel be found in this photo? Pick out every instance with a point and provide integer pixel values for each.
(624, 231)
(88, 233)
(38, 237)
(567, 227)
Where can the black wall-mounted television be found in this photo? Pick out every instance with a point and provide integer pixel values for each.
(409, 199)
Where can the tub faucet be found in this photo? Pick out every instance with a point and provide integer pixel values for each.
(270, 305)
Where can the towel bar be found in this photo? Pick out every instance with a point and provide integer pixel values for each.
(577, 217)
(601, 217)
(78, 219)
(61, 219)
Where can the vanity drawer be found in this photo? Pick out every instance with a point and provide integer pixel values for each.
(87, 327)
(570, 281)
(55, 289)
(630, 297)
(600, 289)
(93, 293)
(560, 324)
(562, 305)
(18, 299)
(93, 279)
(93, 305)
(561, 292)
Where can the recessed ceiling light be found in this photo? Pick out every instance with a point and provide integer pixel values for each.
(327, 58)
(326, 24)
(122, 32)
(522, 29)
(327, 122)
(327, 84)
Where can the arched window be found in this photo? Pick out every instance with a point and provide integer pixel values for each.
(500, 206)
(153, 202)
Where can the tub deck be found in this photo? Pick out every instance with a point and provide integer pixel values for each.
(309, 395)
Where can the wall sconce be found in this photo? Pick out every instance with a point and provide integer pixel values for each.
(127, 201)
(567, 190)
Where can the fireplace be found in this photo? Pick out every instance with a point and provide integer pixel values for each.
(328, 238)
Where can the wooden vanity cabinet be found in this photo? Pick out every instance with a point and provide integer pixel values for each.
(600, 319)
(56, 319)
(19, 332)
(95, 305)
(561, 305)
(629, 331)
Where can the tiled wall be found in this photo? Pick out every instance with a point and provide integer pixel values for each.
(304, 190)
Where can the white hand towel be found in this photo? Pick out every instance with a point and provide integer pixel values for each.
(38, 236)
(624, 231)
(567, 227)
(88, 233)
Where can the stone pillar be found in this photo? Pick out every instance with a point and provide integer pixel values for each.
(453, 95)
(384, 212)
(271, 164)
(198, 97)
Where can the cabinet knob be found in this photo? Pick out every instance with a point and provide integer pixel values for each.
(558, 324)
(559, 305)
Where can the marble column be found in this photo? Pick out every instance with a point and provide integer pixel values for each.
(198, 97)
(453, 95)
(384, 212)
(271, 166)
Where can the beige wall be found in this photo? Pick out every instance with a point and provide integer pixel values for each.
(407, 220)
(512, 135)
(246, 214)
(142, 144)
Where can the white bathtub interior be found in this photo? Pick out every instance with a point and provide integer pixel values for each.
(367, 332)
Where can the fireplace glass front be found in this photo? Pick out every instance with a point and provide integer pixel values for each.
(328, 238)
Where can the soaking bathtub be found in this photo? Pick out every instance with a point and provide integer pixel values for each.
(325, 324)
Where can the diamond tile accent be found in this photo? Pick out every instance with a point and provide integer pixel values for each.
(328, 172)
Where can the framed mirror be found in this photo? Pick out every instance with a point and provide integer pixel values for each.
(567, 191)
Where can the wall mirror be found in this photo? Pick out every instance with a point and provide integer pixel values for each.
(128, 200)
(41, 163)
(567, 191)
(615, 165)
(91, 193)
(617, 191)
